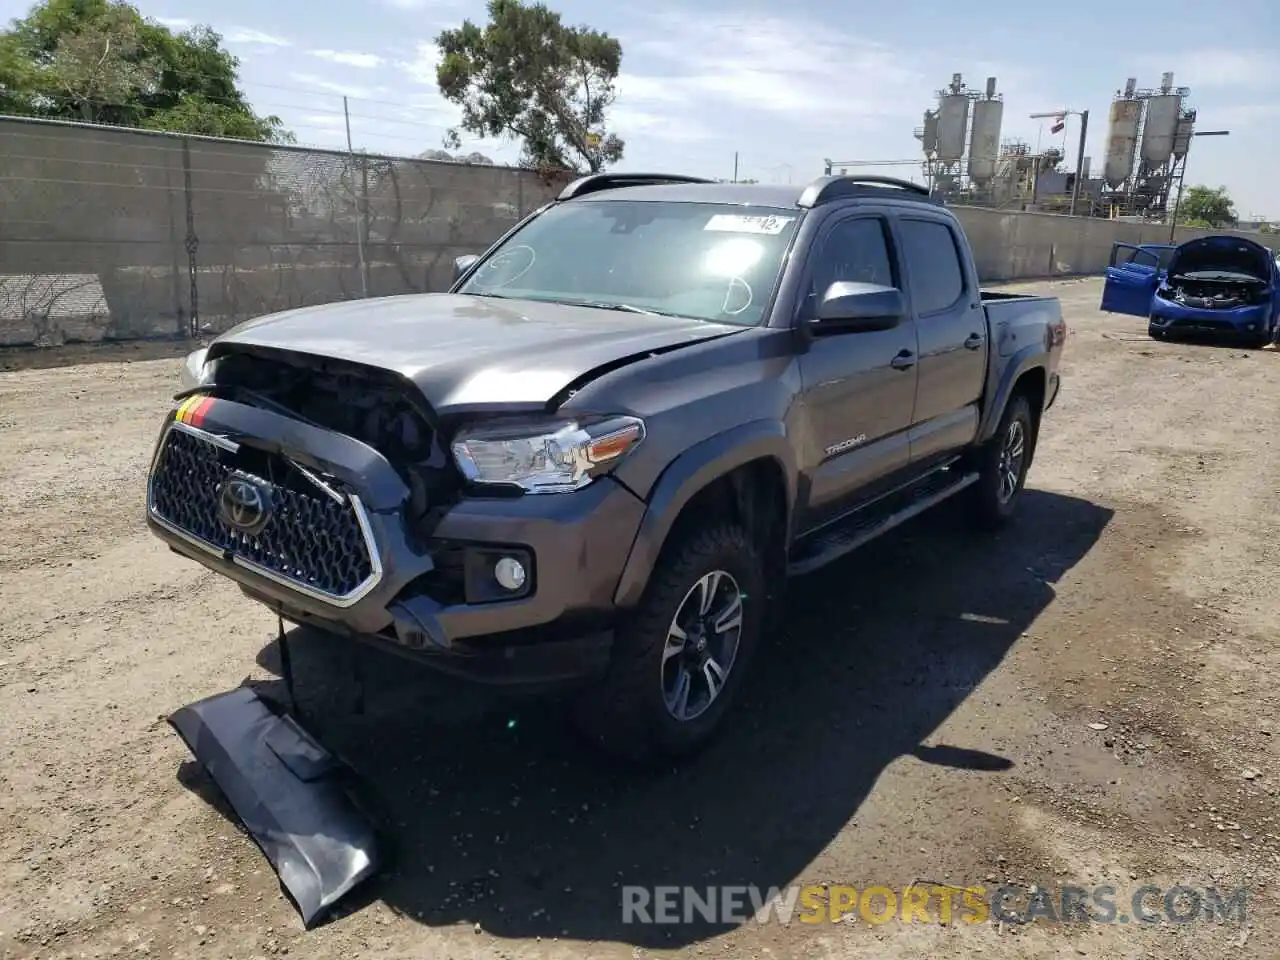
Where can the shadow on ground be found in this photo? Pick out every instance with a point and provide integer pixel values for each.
(497, 816)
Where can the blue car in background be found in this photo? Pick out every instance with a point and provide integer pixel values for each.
(1224, 286)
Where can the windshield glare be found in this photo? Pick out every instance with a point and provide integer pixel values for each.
(707, 261)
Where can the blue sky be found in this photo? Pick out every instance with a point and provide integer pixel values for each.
(786, 84)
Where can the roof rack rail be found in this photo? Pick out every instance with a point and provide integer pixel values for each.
(593, 183)
(829, 188)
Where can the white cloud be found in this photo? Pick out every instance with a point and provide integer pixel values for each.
(249, 36)
(631, 124)
(426, 101)
(328, 121)
(422, 68)
(328, 86)
(638, 87)
(175, 23)
(1240, 116)
(349, 58)
(1210, 67)
(803, 70)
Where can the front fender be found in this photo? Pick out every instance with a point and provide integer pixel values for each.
(1030, 357)
(691, 472)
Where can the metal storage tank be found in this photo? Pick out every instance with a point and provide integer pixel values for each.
(1182, 135)
(1122, 138)
(929, 133)
(984, 143)
(953, 120)
(1163, 112)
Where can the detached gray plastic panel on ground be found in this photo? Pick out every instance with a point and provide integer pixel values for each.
(284, 787)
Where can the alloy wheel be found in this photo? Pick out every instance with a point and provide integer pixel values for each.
(701, 646)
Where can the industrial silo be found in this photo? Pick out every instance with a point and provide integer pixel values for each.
(1122, 137)
(984, 143)
(1182, 134)
(953, 120)
(1163, 112)
(929, 133)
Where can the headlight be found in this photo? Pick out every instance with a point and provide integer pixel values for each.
(545, 458)
(195, 372)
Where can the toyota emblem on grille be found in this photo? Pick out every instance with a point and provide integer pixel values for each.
(244, 503)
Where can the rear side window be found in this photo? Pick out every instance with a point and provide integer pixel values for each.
(933, 260)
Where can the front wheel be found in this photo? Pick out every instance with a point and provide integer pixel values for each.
(680, 658)
(1003, 463)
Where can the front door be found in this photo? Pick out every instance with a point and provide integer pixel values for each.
(952, 329)
(1131, 281)
(858, 388)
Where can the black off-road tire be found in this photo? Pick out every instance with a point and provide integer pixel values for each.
(1157, 334)
(625, 714)
(992, 510)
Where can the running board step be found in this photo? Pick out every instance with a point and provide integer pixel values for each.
(843, 537)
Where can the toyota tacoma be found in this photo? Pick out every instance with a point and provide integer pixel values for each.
(595, 460)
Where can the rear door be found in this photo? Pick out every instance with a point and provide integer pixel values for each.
(951, 328)
(1131, 281)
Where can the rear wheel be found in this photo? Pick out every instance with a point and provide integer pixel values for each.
(1003, 463)
(680, 658)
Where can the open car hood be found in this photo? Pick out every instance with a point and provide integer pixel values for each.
(1222, 254)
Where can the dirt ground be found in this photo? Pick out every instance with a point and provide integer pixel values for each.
(1089, 698)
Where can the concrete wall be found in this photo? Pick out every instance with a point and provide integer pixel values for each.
(1014, 246)
(112, 234)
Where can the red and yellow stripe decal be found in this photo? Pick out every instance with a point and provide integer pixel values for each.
(193, 410)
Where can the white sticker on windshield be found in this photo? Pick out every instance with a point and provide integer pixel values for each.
(731, 223)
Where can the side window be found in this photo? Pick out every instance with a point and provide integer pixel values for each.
(933, 260)
(1122, 256)
(855, 250)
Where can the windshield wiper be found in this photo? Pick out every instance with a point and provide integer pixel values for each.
(620, 307)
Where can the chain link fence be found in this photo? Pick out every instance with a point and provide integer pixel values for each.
(110, 234)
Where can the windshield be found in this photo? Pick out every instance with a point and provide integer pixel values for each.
(707, 261)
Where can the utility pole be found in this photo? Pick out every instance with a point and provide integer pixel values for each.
(1084, 130)
(735, 166)
(1075, 186)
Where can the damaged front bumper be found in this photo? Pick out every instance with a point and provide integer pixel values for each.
(288, 792)
(1171, 317)
(336, 550)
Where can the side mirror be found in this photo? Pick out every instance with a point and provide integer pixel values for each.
(857, 307)
(462, 264)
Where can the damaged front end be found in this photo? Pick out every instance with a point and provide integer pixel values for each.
(1218, 284)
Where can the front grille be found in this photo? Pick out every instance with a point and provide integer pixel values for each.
(1205, 324)
(310, 541)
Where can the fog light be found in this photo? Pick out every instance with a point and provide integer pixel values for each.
(510, 573)
(1249, 326)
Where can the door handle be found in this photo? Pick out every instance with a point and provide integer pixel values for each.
(903, 361)
(974, 341)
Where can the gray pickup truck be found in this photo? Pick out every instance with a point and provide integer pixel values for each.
(598, 457)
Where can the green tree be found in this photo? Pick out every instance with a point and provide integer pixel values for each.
(526, 75)
(101, 61)
(1207, 207)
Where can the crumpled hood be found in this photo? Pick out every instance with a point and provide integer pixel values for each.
(1223, 254)
(467, 352)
